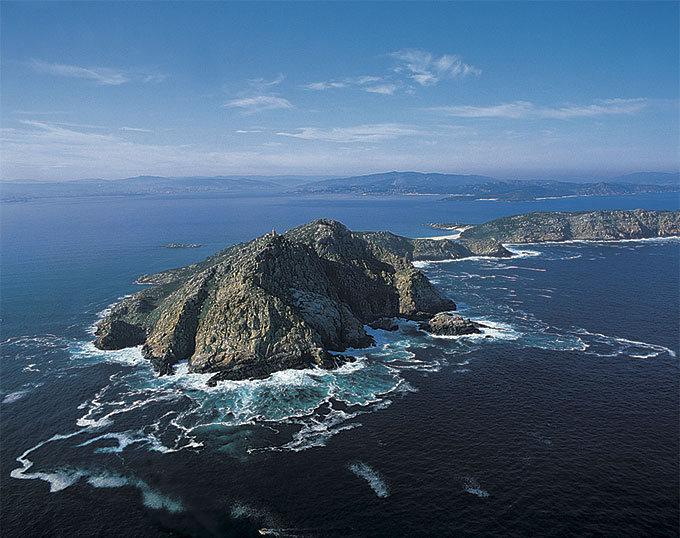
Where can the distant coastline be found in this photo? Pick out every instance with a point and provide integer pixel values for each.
(458, 187)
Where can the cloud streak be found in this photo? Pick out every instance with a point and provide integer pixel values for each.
(104, 76)
(427, 70)
(258, 103)
(262, 84)
(324, 85)
(383, 89)
(136, 130)
(360, 133)
(356, 82)
(528, 110)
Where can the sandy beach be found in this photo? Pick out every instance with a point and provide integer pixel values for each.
(455, 235)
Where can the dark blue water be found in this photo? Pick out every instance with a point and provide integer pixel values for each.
(563, 423)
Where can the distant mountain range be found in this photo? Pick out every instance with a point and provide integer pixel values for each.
(452, 186)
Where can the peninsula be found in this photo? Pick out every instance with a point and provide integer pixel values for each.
(281, 301)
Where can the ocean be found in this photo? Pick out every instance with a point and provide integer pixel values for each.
(563, 422)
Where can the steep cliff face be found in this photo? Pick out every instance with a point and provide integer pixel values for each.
(279, 301)
(578, 225)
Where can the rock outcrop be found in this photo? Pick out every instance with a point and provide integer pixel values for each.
(276, 302)
(578, 225)
(447, 324)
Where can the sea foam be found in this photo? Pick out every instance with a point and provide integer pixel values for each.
(375, 480)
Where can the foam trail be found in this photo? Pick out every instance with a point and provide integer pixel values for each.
(154, 499)
(106, 480)
(241, 510)
(374, 478)
(627, 344)
(14, 396)
(57, 480)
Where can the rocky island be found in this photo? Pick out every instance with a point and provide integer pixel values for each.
(280, 301)
(602, 225)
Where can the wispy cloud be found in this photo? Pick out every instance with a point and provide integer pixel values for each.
(248, 131)
(526, 109)
(263, 84)
(364, 79)
(324, 85)
(357, 82)
(427, 69)
(136, 130)
(258, 103)
(413, 65)
(260, 96)
(360, 133)
(383, 89)
(101, 75)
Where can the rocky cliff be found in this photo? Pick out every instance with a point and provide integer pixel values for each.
(435, 249)
(279, 301)
(579, 225)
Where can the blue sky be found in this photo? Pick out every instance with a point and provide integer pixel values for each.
(508, 89)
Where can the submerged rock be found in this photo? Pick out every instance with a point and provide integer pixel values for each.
(385, 324)
(276, 302)
(447, 324)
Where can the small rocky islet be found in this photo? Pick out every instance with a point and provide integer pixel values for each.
(301, 298)
(181, 245)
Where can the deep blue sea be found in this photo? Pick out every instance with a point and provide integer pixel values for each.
(564, 422)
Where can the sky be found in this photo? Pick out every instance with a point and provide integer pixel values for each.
(535, 90)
